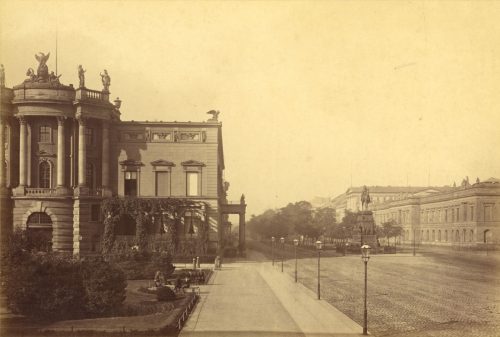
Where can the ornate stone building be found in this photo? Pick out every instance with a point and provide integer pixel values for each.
(66, 149)
(465, 215)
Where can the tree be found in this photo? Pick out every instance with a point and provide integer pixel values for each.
(390, 229)
(324, 220)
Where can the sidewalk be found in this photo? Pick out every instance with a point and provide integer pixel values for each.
(252, 299)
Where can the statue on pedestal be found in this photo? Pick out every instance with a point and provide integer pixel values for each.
(2, 76)
(215, 115)
(106, 80)
(365, 199)
(81, 76)
(43, 71)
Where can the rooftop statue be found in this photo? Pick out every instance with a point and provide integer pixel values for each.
(106, 80)
(365, 199)
(81, 76)
(31, 75)
(2, 76)
(53, 78)
(43, 71)
(215, 115)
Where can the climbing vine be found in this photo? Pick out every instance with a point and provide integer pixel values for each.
(146, 212)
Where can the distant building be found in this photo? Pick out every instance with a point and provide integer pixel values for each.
(465, 215)
(65, 150)
(351, 199)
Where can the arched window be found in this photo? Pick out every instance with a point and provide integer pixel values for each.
(44, 175)
(471, 235)
(39, 231)
(427, 236)
(439, 235)
(446, 235)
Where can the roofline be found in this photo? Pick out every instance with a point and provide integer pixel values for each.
(188, 123)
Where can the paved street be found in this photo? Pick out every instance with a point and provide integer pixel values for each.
(444, 293)
(252, 299)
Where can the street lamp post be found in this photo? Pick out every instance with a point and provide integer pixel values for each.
(319, 245)
(272, 247)
(414, 242)
(345, 241)
(295, 244)
(365, 256)
(282, 240)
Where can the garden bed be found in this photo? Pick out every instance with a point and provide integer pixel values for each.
(141, 314)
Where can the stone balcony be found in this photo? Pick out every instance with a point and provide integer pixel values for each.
(84, 94)
(60, 192)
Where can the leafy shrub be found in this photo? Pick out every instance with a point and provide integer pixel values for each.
(45, 286)
(142, 265)
(165, 294)
(104, 287)
(49, 285)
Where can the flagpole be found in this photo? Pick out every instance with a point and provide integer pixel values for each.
(56, 52)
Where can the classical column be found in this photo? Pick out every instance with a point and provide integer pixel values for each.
(22, 151)
(82, 153)
(61, 153)
(105, 155)
(2, 153)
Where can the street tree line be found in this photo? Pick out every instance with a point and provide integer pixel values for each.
(301, 219)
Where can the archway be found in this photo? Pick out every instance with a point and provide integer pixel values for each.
(39, 231)
(125, 226)
(486, 236)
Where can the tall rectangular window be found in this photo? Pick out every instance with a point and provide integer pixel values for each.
(45, 134)
(487, 213)
(192, 180)
(89, 136)
(472, 213)
(162, 187)
(131, 183)
(95, 210)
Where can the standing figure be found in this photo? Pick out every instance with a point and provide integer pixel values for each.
(106, 80)
(81, 76)
(2, 76)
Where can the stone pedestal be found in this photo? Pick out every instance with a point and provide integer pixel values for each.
(364, 232)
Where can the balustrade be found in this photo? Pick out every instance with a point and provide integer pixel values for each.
(87, 94)
(40, 191)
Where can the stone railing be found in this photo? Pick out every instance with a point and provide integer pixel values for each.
(93, 95)
(36, 191)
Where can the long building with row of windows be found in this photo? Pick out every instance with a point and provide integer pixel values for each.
(66, 149)
(464, 215)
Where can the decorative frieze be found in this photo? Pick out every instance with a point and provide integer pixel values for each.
(163, 136)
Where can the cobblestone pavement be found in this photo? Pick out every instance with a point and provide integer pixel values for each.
(443, 294)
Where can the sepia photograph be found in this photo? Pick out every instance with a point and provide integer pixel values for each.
(279, 168)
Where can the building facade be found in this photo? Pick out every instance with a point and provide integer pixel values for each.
(468, 215)
(66, 149)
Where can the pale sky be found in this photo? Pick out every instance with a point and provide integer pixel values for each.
(310, 93)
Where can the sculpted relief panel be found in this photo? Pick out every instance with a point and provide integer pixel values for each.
(163, 135)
